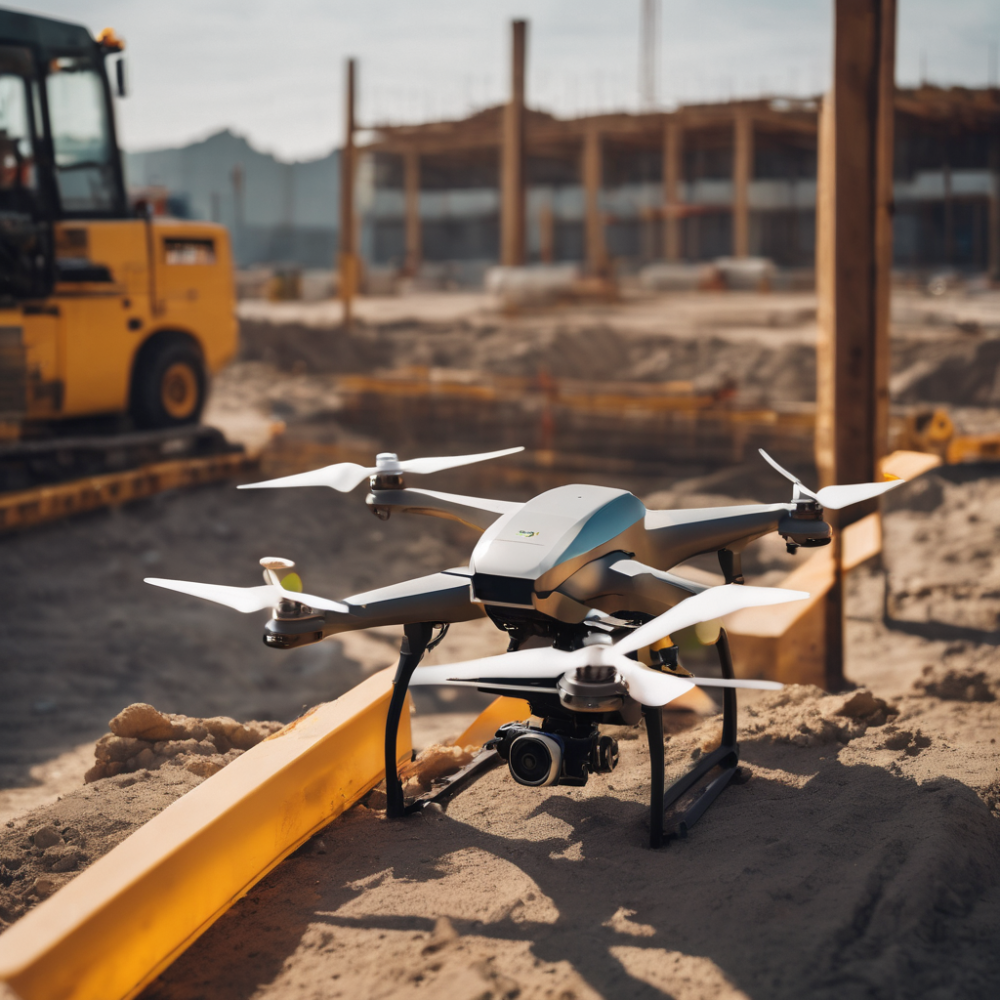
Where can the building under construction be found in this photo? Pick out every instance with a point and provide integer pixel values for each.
(616, 191)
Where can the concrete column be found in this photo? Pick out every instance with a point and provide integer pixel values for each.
(673, 138)
(742, 172)
(853, 269)
(512, 197)
(993, 237)
(591, 170)
(348, 253)
(411, 188)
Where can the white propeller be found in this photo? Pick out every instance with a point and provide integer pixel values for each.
(645, 685)
(247, 599)
(344, 476)
(836, 497)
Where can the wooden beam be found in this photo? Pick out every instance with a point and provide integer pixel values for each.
(591, 170)
(673, 137)
(994, 216)
(512, 199)
(411, 186)
(742, 172)
(348, 255)
(853, 269)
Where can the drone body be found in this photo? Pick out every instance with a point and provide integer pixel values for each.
(579, 578)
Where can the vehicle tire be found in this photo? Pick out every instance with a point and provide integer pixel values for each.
(169, 385)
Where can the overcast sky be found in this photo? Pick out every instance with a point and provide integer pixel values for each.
(272, 70)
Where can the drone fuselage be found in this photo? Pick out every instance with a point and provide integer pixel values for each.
(540, 568)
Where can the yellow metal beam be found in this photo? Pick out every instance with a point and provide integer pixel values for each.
(48, 503)
(117, 925)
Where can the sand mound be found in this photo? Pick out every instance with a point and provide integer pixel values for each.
(143, 739)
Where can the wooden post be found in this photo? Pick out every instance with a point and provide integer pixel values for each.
(853, 269)
(742, 172)
(993, 237)
(673, 137)
(591, 171)
(414, 236)
(348, 255)
(512, 199)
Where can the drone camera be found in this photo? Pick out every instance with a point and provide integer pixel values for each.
(538, 758)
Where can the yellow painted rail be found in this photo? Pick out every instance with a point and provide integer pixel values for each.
(48, 503)
(119, 923)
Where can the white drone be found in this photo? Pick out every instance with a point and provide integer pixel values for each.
(578, 578)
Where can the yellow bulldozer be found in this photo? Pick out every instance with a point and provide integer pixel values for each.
(105, 310)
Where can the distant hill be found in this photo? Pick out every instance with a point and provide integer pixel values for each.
(289, 210)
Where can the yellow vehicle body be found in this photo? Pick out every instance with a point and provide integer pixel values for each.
(81, 344)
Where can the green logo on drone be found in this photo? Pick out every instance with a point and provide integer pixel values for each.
(528, 534)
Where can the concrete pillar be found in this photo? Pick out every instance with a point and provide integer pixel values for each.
(546, 233)
(411, 189)
(742, 172)
(348, 252)
(673, 138)
(853, 269)
(591, 170)
(993, 237)
(512, 197)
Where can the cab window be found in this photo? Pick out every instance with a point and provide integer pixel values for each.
(81, 135)
(18, 177)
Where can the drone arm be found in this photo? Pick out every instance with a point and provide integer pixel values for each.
(676, 535)
(615, 583)
(475, 512)
(440, 597)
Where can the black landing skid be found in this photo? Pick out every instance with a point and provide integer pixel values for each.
(723, 761)
(667, 820)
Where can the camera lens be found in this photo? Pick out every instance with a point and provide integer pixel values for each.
(535, 759)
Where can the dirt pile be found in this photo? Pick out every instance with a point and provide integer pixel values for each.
(142, 738)
(865, 862)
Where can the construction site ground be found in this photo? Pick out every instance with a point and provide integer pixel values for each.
(855, 860)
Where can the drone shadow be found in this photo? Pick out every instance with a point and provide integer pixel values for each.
(827, 880)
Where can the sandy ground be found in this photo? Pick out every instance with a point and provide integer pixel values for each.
(854, 861)
(863, 867)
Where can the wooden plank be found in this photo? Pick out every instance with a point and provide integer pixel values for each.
(121, 921)
(512, 196)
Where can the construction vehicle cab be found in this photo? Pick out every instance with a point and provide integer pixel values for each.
(104, 309)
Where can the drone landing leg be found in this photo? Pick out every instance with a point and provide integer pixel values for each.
(726, 757)
(415, 640)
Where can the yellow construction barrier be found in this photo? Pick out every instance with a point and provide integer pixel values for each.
(119, 923)
(48, 503)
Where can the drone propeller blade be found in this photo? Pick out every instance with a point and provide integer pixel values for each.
(747, 684)
(422, 466)
(778, 468)
(650, 687)
(836, 497)
(343, 476)
(524, 664)
(246, 599)
(712, 603)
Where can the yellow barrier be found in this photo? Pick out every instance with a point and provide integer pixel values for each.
(48, 503)
(117, 925)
